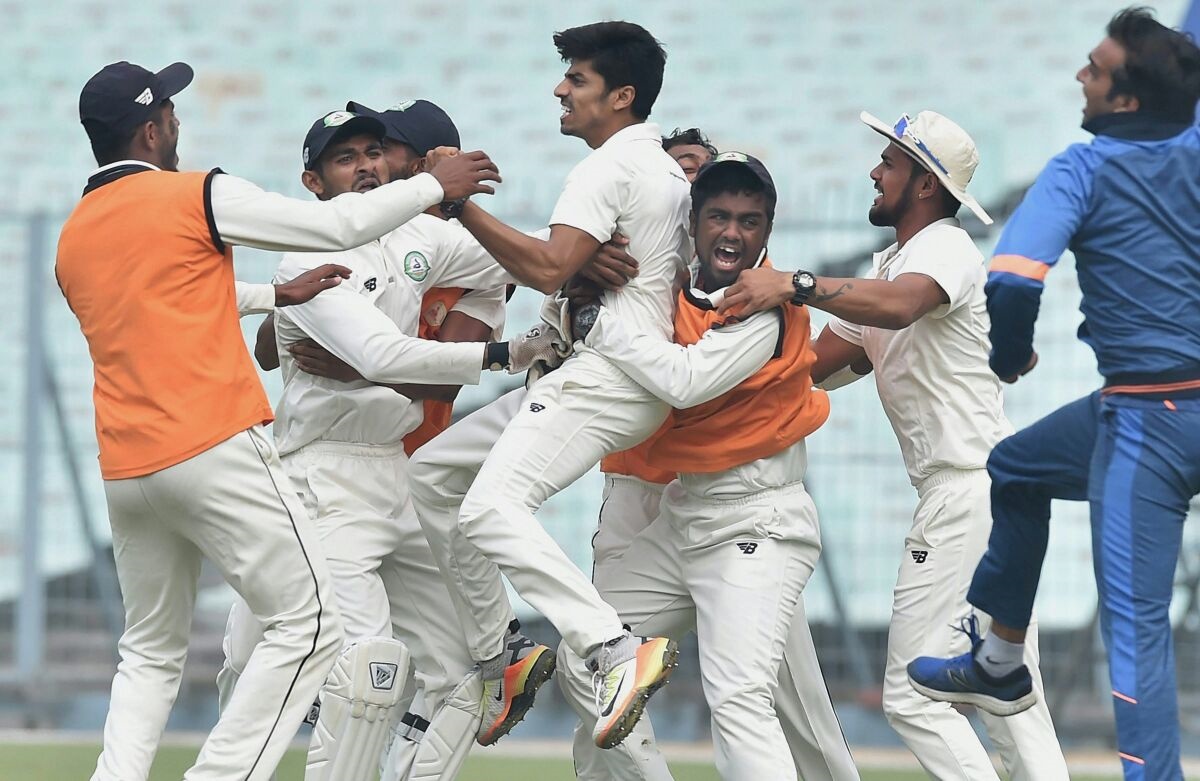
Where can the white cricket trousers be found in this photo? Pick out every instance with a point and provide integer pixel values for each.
(810, 725)
(476, 495)
(384, 577)
(732, 570)
(231, 504)
(948, 537)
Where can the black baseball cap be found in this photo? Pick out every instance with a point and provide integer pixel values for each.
(123, 95)
(418, 123)
(335, 125)
(752, 164)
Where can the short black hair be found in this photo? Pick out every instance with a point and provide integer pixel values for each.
(109, 146)
(693, 136)
(623, 53)
(1162, 66)
(735, 179)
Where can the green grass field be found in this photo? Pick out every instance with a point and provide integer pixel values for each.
(71, 762)
(66, 762)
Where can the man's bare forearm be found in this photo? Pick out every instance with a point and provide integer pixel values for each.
(527, 258)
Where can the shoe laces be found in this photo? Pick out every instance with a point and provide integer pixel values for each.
(969, 626)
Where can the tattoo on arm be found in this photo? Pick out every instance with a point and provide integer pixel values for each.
(821, 296)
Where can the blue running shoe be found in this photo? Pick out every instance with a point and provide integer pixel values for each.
(961, 679)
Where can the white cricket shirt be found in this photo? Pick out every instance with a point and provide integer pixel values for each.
(631, 186)
(942, 398)
(371, 322)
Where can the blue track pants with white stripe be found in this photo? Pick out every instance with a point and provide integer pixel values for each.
(1137, 462)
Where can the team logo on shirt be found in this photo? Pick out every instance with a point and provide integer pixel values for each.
(416, 266)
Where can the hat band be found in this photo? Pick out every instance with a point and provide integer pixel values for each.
(901, 128)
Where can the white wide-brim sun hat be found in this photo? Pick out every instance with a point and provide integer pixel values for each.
(940, 146)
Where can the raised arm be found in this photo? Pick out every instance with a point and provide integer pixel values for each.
(686, 376)
(1035, 237)
(243, 213)
(542, 264)
(894, 304)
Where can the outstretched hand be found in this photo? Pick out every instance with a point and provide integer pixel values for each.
(755, 290)
(308, 284)
(462, 174)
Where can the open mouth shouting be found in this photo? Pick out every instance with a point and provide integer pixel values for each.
(726, 257)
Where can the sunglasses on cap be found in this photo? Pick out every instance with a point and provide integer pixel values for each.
(902, 127)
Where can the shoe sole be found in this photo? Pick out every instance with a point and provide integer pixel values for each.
(624, 723)
(992, 705)
(541, 671)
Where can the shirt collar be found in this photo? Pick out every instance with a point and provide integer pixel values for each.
(114, 171)
(1135, 126)
(639, 132)
(886, 256)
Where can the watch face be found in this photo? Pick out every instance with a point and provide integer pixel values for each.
(806, 279)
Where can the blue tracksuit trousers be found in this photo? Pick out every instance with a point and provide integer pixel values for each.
(1137, 462)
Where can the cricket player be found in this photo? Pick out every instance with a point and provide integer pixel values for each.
(1125, 205)
(633, 489)
(736, 538)
(144, 261)
(476, 489)
(342, 447)
(920, 320)
(690, 148)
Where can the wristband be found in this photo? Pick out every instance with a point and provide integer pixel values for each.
(495, 356)
(453, 209)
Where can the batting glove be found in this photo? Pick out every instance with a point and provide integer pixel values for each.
(540, 344)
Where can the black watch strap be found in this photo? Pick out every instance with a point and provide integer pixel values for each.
(804, 284)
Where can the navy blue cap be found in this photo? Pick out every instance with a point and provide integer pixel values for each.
(419, 123)
(753, 164)
(122, 95)
(334, 125)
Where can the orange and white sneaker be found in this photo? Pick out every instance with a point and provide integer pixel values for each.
(508, 694)
(626, 673)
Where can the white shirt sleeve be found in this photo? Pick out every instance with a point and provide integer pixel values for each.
(350, 327)
(950, 259)
(851, 332)
(486, 306)
(686, 376)
(591, 199)
(254, 299)
(245, 214)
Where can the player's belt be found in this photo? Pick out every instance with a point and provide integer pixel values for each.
(1179, 389)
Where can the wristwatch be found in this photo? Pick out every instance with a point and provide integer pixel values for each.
(804, 283)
